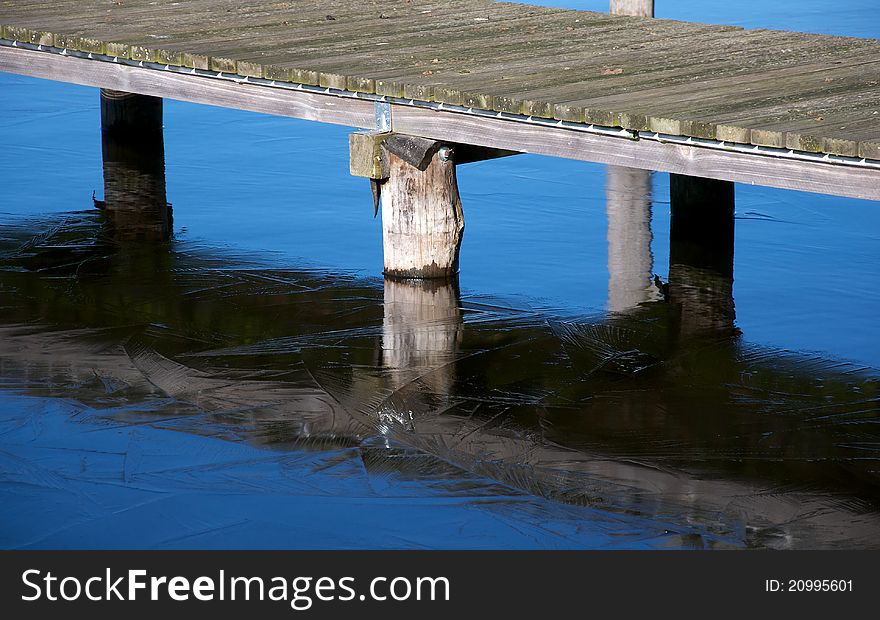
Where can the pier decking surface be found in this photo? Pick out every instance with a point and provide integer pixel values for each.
(808, 93)
(781, 109)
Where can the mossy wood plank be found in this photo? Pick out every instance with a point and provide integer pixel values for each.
(811, 92)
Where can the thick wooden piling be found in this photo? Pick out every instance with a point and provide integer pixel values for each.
(638, 8)
(628, 206)
(701, 254)
(422, 219)
(134, 166)
(630, 261)
(130, 115)
(415, 181)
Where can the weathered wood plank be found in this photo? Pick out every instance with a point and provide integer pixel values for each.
(309, 106)
(365, 154)
(698, 80)
(806, 176)
(422, 219)
(493, 133)
(642, 8)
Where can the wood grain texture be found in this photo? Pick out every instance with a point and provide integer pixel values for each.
(364, 154)
(640, 8)
(753, 169)
(811, 92)
(422, 329)
(422, 219)
(630, 261)
(450, 127)
(280, 102)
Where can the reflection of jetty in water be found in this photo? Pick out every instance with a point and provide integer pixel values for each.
(636, 413)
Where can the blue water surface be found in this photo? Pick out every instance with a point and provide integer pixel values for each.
(806, 279)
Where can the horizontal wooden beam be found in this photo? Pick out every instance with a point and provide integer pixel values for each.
(365, 155)
(752, 169)
(482, 131)
(196, 89)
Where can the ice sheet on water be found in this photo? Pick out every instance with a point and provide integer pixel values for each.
(413, 389)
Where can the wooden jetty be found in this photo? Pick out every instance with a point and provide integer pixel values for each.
(461, 80)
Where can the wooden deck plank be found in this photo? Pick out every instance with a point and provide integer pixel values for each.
(644, 93)
(686, 79)
(337, 51)
(829, 178)
(601, 74)
(698, 108)
(292, 103)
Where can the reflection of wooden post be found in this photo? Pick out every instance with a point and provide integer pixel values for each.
(701, 253)
(642, 8)
(630, 262)
(134, 166)
(421, 332)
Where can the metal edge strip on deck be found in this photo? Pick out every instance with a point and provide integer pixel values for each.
(783, 168)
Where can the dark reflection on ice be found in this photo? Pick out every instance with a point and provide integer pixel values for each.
(650, 426)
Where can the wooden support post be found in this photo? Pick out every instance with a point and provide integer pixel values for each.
(638, 8)
(630, 261)
(421, 332)
(628, 203)
(130, 115)
(415, 181)
(701, 254)
(422, 219)
(365, 154)
(134, 166)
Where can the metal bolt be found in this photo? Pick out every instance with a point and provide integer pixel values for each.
(445, 153)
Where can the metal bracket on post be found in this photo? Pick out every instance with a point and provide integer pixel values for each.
(383, 116)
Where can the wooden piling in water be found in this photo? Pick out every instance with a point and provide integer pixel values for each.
(422, 219)
(638, 8)
(630, 261)
(133, 152)
(128, 114)
(415, 181)
(701, 254)
(628, 207)
(702, 224)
